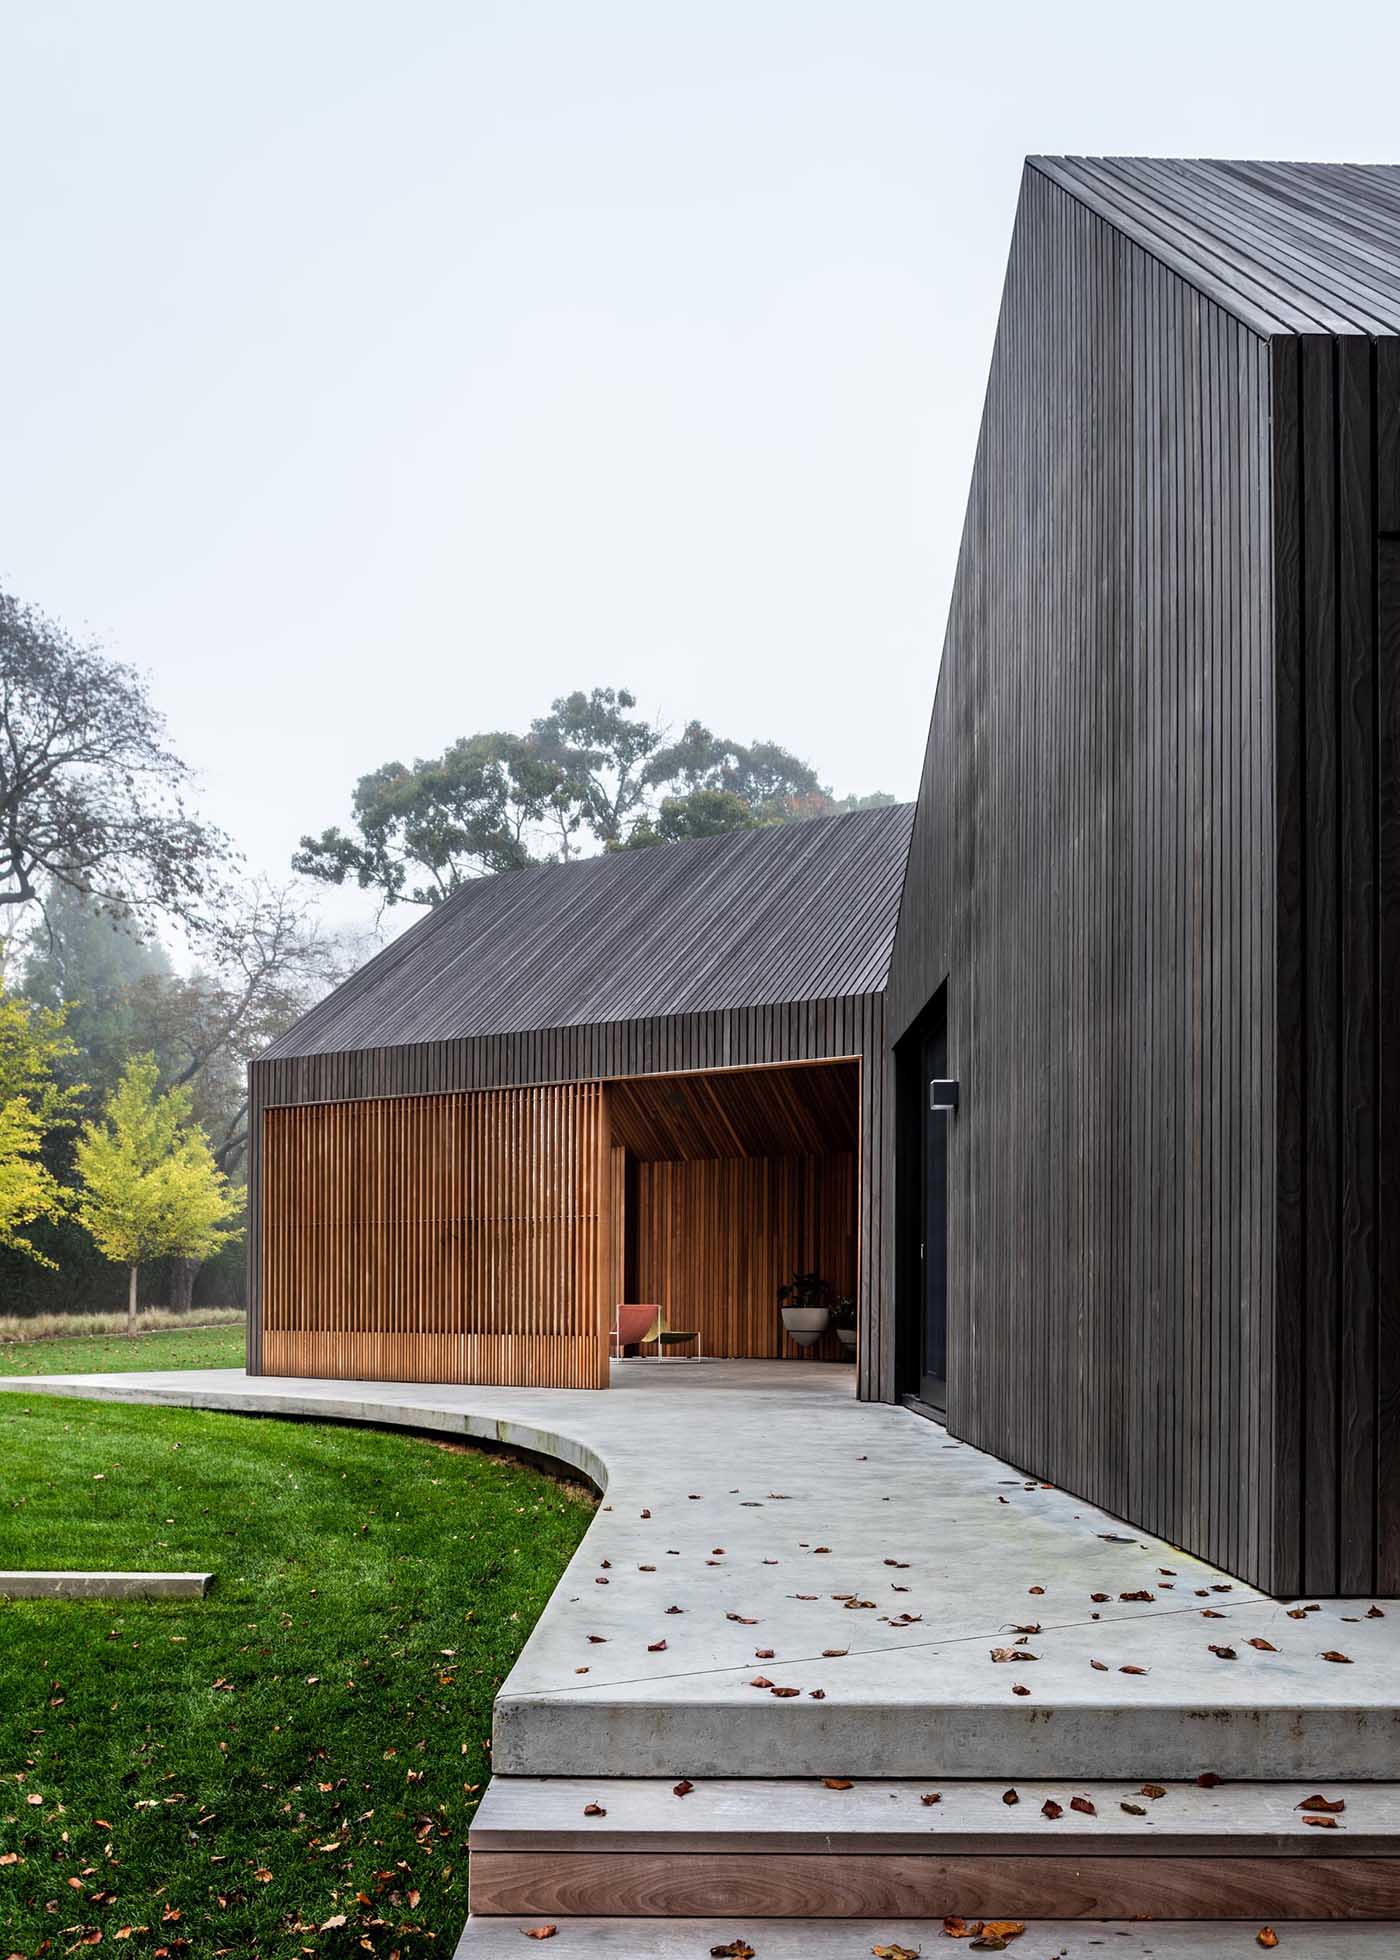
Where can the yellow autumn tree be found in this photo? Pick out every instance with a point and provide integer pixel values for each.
(148, 1184)
(33, 1045)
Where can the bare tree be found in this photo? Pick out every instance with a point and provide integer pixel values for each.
(91, 796)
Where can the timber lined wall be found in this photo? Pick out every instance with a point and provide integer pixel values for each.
(439, 1238)
(845, 1027)
(717, 1237)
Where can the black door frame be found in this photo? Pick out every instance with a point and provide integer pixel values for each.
(921, 1206)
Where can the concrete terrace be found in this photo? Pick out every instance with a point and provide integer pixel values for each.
(784, 1585)
(760, 1521)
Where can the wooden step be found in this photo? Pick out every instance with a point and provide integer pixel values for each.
(847, 1939)
(778, 1848)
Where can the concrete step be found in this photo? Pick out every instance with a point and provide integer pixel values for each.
(816, 1939)
(770, 1849)
(1135, 1699)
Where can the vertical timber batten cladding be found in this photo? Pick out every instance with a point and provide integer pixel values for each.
(439, 1238)
(728, 954)
(1156, 860)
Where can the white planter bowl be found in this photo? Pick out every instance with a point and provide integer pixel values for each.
(806, 1324)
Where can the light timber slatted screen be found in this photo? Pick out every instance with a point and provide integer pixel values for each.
(439, 1238)
(717, 1237)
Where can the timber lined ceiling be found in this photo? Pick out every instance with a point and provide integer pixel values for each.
(796, 912)
(1286, 248)
(754, 1112)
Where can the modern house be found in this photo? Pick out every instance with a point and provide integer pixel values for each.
(1144, 935)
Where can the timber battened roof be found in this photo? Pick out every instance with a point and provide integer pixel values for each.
(1288, 248)
(796, 912)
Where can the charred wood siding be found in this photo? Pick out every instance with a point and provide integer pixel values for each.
(1157, 859)
(1337, 473)
(1091, 871)
(849, 1027)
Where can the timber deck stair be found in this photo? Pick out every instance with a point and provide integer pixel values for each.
(847, 1939)
(761, 1850)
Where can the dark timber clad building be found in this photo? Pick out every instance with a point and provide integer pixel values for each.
(1150, 922)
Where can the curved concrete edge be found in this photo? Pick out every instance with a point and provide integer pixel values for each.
(499, 1432)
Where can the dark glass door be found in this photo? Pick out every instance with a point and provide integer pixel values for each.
(933, 1184)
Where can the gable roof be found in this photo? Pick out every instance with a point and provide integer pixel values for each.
(801, 911)
(1285, 247)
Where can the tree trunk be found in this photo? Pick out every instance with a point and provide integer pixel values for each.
(183, 1273)
(131, 1302)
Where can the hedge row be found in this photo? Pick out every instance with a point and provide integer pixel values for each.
(85, 1282)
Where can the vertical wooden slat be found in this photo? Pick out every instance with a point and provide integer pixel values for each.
(442, 1237)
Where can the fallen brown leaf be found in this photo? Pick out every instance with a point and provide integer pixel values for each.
(1153, 1790)
(1322, 1823)
(1011, 1796)
(934, 1796)
(1019, 1688)
(732, 1950)
(1224, 1653)
(1051, 1809)
(656, 1647)
(1264, 1646)
(834, 1653)
(1331, 1654)
(1133, 1809)
(530, 1932)
(1130, 1668)
(594, 1810)
(895, 1952)
(784, 1693)
(683, 1788)
(1083, 1806)
(1266, 1936)
(1330, 1805)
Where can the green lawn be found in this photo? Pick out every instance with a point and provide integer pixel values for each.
(110, 1354)
(290, 1765)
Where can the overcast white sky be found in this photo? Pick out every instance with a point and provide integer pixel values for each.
(374, 373)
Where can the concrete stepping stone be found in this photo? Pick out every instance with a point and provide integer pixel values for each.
(104, 1585)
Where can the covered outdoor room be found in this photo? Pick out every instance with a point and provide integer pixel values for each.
(727, 1185)
(493, 1235)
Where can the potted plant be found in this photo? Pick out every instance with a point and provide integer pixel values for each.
(805, 1305)
(843, 1319)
